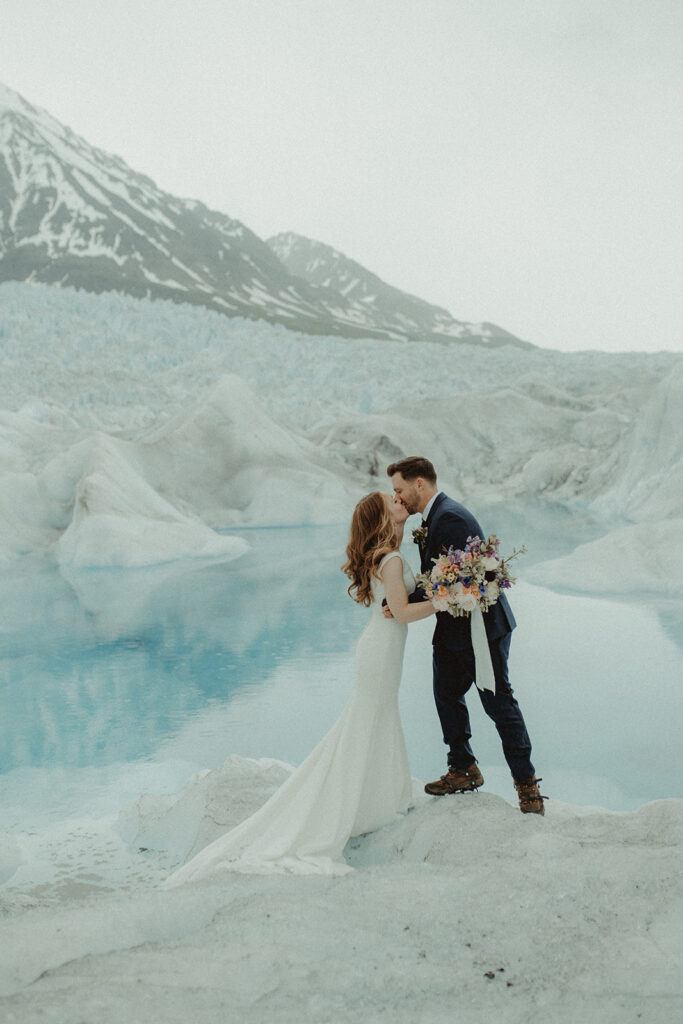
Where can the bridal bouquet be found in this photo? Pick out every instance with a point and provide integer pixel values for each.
(462, 581)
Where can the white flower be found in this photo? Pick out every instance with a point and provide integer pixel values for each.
(489, 564)
(467, 602)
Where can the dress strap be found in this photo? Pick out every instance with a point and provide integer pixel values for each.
(392, 554)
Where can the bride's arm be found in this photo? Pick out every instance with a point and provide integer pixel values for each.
(397, 596)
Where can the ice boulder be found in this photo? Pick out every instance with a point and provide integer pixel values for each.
(229, 461)
(10, 857)
(26, 512)
(641, 558)
(118, 519)
(23, 526)
(178, 826)
(648, 477)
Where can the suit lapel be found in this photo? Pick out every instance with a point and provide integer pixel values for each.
(441, 497)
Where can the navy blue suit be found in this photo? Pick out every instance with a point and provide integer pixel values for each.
(449, 524)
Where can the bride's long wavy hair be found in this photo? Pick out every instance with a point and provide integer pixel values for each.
(372, 537)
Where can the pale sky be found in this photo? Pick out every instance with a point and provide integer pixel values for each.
(512, 160)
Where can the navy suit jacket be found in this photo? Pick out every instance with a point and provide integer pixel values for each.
(449, 524)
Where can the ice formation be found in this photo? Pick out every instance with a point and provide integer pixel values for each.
(149, 425)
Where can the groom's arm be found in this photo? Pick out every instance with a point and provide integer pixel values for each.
(417, 596)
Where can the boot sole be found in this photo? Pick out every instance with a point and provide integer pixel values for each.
(452, 792)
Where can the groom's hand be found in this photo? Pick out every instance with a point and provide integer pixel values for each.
(386, 610)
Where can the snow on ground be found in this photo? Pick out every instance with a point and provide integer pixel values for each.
(463, 909)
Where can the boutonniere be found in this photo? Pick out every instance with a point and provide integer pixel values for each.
(420, 535)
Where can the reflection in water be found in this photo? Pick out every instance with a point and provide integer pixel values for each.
(103, 668)
(191, 662)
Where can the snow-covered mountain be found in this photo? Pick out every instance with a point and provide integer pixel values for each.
(325, 267)
(71, 214)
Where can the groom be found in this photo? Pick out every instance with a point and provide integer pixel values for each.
(446, 523)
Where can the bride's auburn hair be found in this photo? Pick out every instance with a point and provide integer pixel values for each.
(372, 537)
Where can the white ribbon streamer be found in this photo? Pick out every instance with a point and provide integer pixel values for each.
(484, 676)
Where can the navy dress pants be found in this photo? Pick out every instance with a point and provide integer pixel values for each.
(454, 673)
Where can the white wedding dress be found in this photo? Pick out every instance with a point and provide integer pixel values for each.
(356, 780)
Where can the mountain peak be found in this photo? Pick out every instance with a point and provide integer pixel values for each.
(323, 266)
(11, 100)
(71, 214)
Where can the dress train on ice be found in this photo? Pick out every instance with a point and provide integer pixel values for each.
(356, 780)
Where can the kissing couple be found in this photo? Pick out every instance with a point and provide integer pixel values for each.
(358, 779)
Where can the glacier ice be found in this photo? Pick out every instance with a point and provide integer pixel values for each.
(131, 430)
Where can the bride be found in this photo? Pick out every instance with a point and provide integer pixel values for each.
(357, 779)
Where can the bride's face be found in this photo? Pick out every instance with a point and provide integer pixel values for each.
(399, 513)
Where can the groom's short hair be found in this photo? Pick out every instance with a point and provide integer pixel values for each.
(413, 467)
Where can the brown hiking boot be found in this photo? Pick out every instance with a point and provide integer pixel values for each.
(530, 798)
(456, 780)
